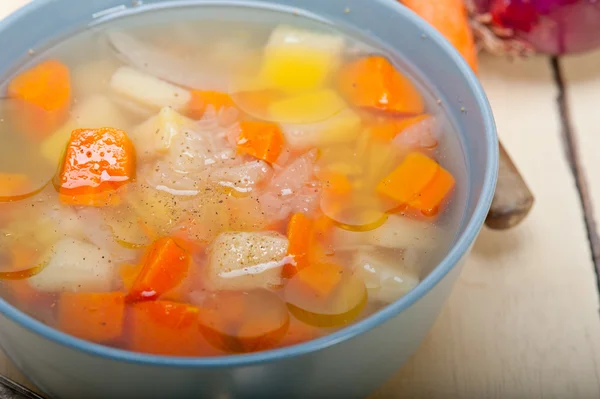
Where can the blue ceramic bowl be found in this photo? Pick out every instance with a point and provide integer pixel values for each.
(348, 364)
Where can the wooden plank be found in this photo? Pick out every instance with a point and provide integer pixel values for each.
(522, 321)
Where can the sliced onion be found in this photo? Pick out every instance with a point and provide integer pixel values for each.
(340, 308)
(158, 63)
(23, 171)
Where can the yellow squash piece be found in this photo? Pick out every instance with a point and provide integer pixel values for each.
(297, 60)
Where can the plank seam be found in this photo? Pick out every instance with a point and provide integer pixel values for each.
(571, 148)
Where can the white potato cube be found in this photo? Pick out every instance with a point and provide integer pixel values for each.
(75, 266)
(155, 136)
(246, 261)
(147, 90)
(343, 127)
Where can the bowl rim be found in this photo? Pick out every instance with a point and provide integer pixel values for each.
(461, 245)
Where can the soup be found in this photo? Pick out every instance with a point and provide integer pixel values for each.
(176, 184)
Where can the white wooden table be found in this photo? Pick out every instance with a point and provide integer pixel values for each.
(523, 319)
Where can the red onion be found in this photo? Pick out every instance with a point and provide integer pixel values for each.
(542, 26)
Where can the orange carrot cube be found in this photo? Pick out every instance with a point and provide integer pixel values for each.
(44, 97)
(94, 317)
(409, 179)
(262, 140)
(299, 236)
(167, 328)
(373, 83)
(97, 162)
(202, 99)
(164, 267)
(430, 198)
(322, 278)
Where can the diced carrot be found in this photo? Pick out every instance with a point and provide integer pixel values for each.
(167, 328)
(336, 183)
(237, 321)
(97, 163)
(322, 278)
(387, 130)
(431, 197)
(14, 187)
(373, 83)
(300, 230)
(451, 19)
(409, 179)
(262, 140)
(23, 294)
(129, 274)
(44, 95)
(164, 267)
(202, 99)
(261, 333)
(93, 317)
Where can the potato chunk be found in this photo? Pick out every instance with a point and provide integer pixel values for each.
(245, 261)
(76, 266)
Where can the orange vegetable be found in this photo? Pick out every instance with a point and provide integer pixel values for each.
(409, 179)
(431, 197)
(451, 19)
(23, 264)
(321, 279)
(44, 95)
(97, 162)
(129, 274)
(262, 140)
(164, 267)
(93, 317)
(202, 99)
(373, 83)
(167, 328)
(299, 233)
(336, 183)
(14, 187)
(387, 130)
(237, 321)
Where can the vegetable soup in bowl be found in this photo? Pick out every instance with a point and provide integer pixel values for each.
(212, 187)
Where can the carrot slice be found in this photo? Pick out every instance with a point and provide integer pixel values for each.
(300, 230)
(93, 317)
(129, 274)
(322, 278)
(373, 83)
(237, 321)
(262, 140)
(164, 267)
(202, 99)
(387, 130)
(409, 179)
(14, 187)
(97, 162)
(451, 19)
(44, 95)
(429, 200)
(167, 328)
